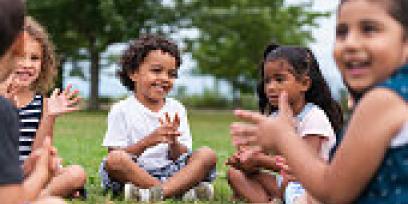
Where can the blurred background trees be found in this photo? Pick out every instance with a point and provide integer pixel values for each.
(231, 33)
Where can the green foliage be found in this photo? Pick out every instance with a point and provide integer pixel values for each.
(94, 24)
(233, 34)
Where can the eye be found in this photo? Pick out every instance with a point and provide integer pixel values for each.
(156, 69)
(173, 74)
(35, 57)
(369, 28)
(279, 79)
(341, 31)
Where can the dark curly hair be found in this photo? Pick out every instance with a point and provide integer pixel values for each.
(303, 63)
(138, 49)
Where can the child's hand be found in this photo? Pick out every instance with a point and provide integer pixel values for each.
(248, 158)
(9, 88)
(233, 160)
(268, 132)
(172, 127)
(65, 102)
(243, 134)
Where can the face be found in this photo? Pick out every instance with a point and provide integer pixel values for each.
(7, 61)
(369, 44)
(155, 77)
(28, 62)
(279, 77)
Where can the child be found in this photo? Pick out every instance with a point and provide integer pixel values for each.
(293, 70)
(12, 188)
(31, 80)
(370, 165)
(146, 147)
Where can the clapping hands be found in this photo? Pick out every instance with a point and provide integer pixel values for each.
(168, 130)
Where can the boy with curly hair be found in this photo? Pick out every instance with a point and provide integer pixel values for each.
(148, 136)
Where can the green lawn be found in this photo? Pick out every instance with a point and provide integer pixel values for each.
(78, 138)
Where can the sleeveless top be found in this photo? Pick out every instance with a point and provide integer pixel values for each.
(30, 117)
(390, 182)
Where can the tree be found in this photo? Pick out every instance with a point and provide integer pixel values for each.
(233, 34)
(94, 24)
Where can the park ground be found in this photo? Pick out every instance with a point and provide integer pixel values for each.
(79, 136)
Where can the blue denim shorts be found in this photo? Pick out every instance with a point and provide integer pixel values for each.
(161, 174)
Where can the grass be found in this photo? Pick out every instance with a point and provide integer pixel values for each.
(78, 137)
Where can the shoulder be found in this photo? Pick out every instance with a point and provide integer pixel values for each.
(122, 105)
(383, 107)
(175, 104)
(316, 114)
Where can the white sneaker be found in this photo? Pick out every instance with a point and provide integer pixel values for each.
(134, 193)
(203, 191)
(131, 192)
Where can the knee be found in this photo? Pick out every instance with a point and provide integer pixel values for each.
(207, 155)
(116, 159)
(77, 175)
(50, 200)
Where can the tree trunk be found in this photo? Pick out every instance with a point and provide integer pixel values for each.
(235, 95)
(59, 81)
(94, 88)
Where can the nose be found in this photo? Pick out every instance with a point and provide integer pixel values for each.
(23, 61)
(352, 41)
(271, 86)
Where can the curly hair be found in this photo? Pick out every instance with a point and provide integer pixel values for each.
(304, 64)
(136, 52)
(49, 63)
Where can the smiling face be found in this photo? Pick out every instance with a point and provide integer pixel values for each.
(279, 77)
(370, 44)
(28, 63)
(154, 78)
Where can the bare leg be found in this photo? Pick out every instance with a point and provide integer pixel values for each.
(65, 182)
(247, 187)
(269, 184)
(121, 167)
(198, 166)
(49, 200)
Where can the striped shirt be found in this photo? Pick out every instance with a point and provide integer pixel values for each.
(30, 117)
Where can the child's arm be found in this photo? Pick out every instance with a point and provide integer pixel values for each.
(56, 105)
(377, 118)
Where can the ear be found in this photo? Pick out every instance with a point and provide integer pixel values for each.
(305, 83)
(133, 75)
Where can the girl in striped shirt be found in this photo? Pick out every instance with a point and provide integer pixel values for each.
(32, 79)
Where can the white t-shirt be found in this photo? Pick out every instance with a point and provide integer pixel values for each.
(129, 121)
(314, 121)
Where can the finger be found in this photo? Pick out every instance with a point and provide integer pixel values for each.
(249, 116)
(284, 107)
(55, 93)
(161, 122)
(67, 90)
(167, 117)
(176, 120)
(72, 94)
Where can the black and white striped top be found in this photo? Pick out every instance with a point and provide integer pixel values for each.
(30, 117)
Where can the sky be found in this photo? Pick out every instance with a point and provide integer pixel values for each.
(322, 47)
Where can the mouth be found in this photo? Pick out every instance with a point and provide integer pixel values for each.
(159, 87)
(357, 68)
(273, 97)
(23, 75)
